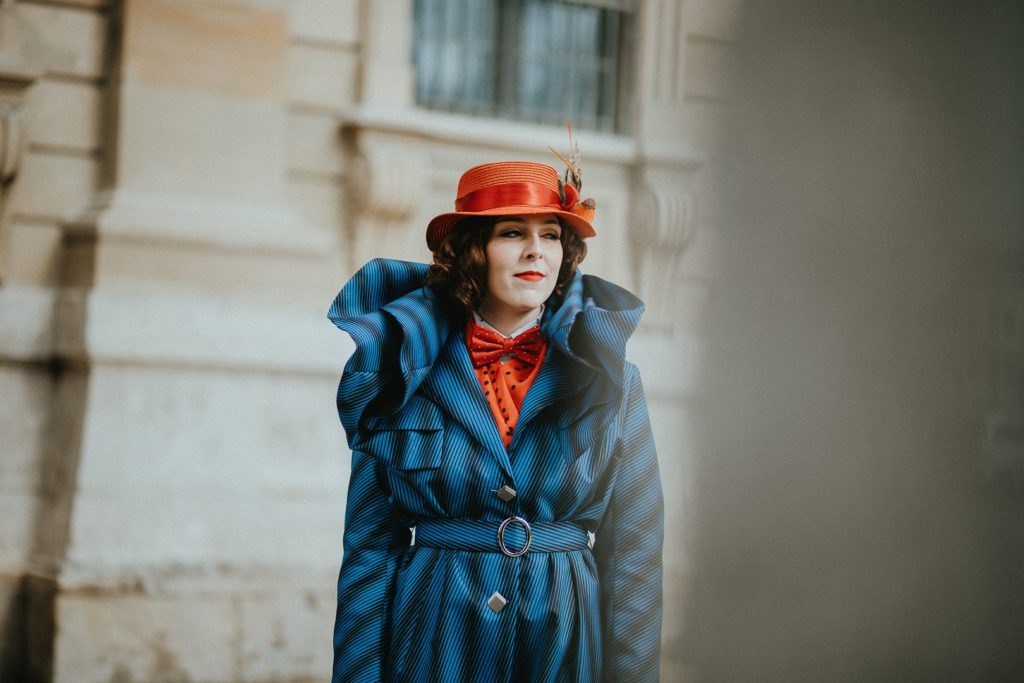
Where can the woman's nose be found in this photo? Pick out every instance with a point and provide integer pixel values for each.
(532, 247)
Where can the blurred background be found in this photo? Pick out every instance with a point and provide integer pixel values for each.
(819, 201)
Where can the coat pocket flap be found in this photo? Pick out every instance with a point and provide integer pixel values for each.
(417, 415)
(408, 439)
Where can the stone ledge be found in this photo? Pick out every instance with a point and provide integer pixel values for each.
(462, 130)
(486, 132)
(130, 215)
(164, 326)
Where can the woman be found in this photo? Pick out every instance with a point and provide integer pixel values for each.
(504, 518)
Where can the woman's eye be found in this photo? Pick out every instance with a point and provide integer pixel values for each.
(552, 235)
(511, 233)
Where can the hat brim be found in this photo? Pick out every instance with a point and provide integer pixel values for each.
(441, 225)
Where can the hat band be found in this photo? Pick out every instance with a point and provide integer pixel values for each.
(510, 194)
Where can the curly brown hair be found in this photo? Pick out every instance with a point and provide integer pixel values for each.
(459, 271)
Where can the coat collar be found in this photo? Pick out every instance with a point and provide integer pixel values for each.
(592, 323)
(405, 334)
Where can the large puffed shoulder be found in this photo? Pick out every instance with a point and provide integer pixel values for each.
(399, 327)
(376, 284)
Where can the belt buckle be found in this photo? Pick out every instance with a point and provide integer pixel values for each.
(501, 537)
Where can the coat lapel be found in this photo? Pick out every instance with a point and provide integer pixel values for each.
(454, 386)
(553, 382)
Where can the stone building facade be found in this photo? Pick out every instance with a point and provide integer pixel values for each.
(186, 184)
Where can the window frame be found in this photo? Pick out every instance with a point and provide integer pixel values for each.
(613, 113)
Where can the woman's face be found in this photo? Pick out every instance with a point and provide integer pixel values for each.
(524, 255)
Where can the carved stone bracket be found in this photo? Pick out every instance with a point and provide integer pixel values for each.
(387, 183)
(15, 80)
(665, 228)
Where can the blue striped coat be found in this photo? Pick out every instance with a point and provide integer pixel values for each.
(426, 448)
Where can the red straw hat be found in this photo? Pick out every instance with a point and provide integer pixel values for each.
(514, 188)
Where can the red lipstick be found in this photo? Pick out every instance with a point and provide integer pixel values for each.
(531, 275)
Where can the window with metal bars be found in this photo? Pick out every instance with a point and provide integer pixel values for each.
(542, 61)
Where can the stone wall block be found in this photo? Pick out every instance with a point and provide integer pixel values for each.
(23, 423)
(231, 48)
(53, 186)
(17, 510)
(26, 323)
(322, 77)
(146, 638)
(296, 529)
(294, 436)
(63, 41)
(321, 201)
(241, 471)
(333, 22)
(279, 631)
(386, 74)
(64, 114)
(159, 528)
(201, 105)
(34, 255)
(315, 144)
(202, 144)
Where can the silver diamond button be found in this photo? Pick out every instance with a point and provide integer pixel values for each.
(506, 493)
(497, 602)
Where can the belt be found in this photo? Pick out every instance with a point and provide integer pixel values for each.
(513, 536)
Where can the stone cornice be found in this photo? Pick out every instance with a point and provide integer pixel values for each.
(169, 328)
(131, 215)
(484, 132)
(474, 131)
(163, 328)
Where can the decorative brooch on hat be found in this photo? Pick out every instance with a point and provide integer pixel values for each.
(572, 186)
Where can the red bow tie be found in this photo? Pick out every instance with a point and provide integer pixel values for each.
(487, 346)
